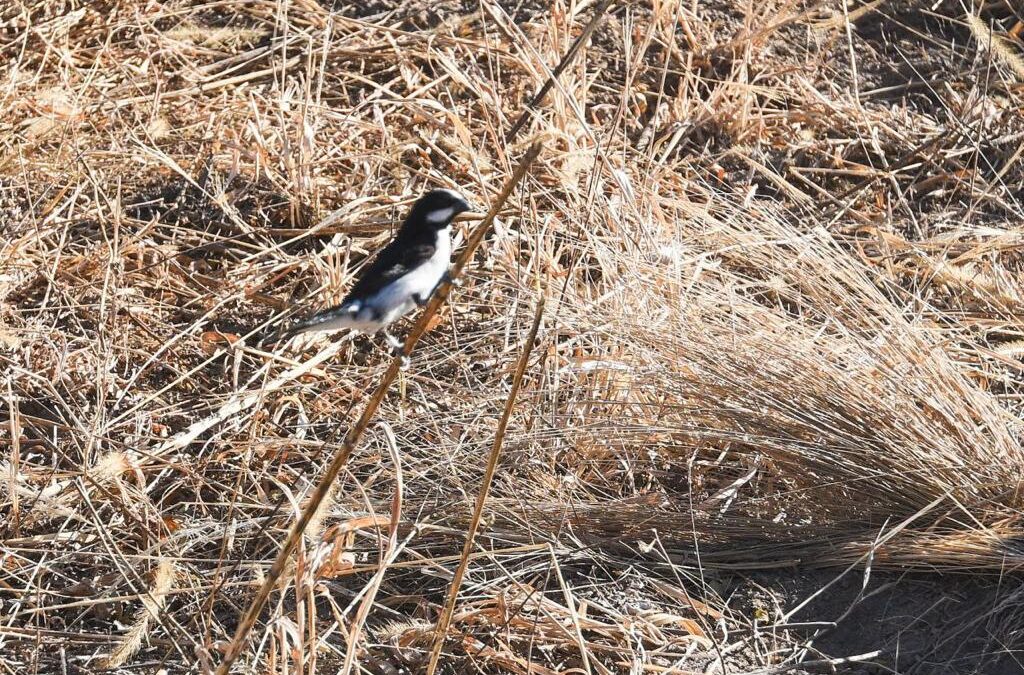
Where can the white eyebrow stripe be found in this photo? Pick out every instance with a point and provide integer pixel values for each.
(440, 215)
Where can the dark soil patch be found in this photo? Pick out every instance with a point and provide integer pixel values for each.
(917, 624)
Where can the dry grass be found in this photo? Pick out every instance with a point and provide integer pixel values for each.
(780, 246)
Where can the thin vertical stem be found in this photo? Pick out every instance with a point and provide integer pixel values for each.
(492, 463)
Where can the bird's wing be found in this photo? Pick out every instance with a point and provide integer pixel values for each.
(395, 261)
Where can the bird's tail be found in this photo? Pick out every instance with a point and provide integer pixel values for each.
(335, 318)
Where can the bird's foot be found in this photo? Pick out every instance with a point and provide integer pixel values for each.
(393, 342)
(397, 349)
(454, 281)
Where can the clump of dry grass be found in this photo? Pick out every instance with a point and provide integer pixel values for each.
(153, 603)
(782, 284)
(784, 394)
(1000, 47)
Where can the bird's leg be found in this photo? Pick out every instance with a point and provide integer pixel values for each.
(396, 348)
(396, 345)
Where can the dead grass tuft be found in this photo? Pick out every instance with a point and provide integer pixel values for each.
(782, 261)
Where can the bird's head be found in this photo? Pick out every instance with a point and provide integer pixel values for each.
(436, 209)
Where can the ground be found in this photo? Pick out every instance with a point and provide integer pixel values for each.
(775, 249)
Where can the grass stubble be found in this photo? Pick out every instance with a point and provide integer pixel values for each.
(781, 247)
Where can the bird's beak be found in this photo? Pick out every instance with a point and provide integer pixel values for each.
(469, 216)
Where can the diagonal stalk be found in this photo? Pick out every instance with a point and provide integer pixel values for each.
(354, 435)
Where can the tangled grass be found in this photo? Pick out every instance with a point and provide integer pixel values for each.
(779, 245)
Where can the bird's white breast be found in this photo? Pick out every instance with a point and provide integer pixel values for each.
(396, 299)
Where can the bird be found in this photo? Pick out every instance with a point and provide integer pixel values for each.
(402, 277)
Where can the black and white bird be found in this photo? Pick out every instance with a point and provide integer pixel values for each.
(402, 277)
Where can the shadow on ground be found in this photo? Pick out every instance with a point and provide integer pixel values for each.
(919, 624)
